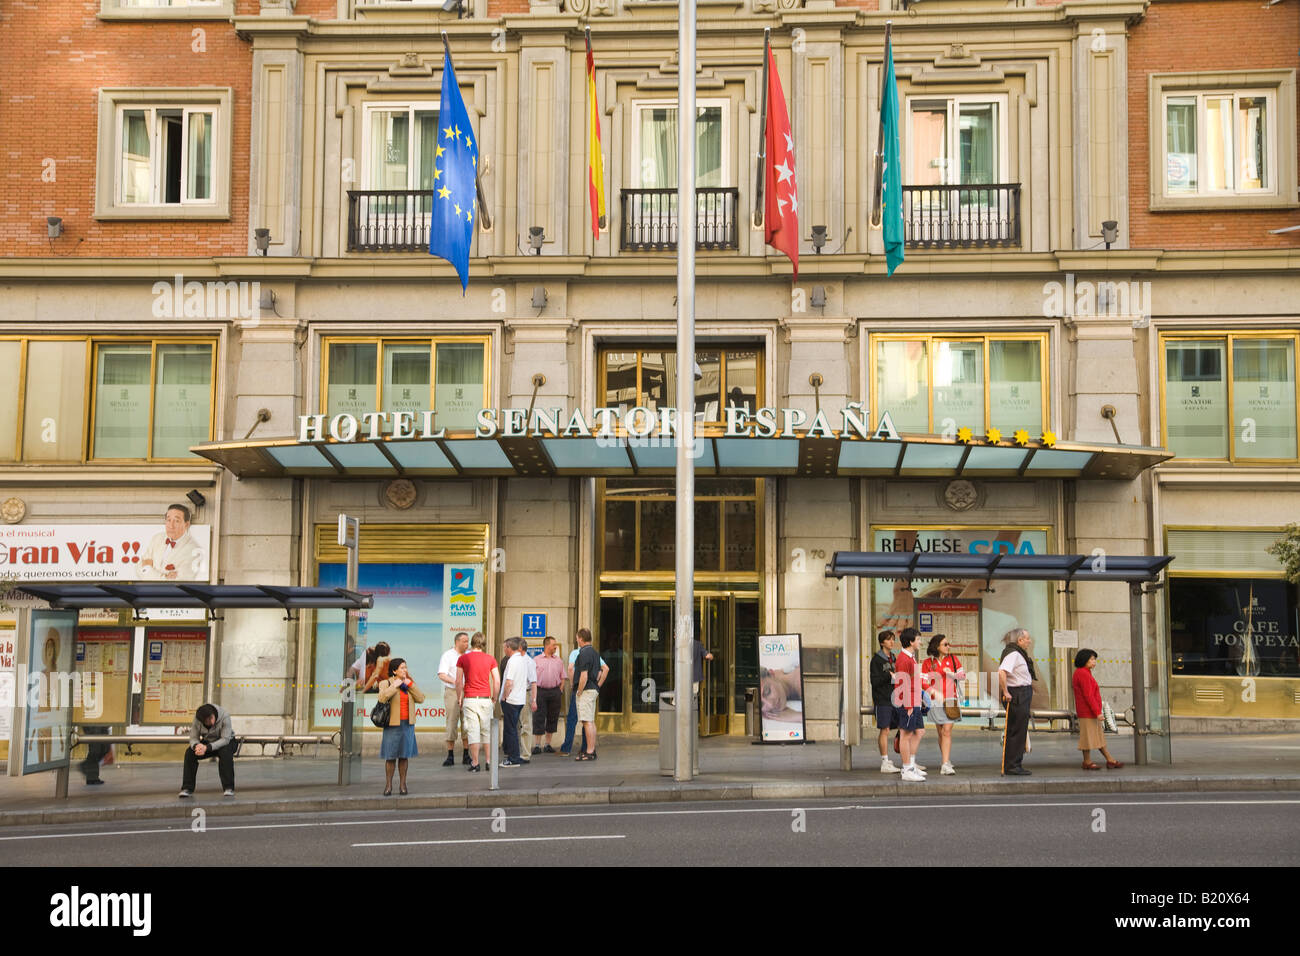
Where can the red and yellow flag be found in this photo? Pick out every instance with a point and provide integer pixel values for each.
(595, 159)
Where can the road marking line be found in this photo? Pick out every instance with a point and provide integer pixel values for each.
(594, 810)
(612, 836)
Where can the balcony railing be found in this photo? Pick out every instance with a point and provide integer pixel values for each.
(389, 220)
(650, 219)
(949, 216)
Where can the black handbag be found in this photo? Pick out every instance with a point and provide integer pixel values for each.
(380, 713)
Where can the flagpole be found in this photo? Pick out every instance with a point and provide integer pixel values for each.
(762, 134)
(683, 629)
(880, 136)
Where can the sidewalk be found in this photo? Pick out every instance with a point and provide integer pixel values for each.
(627, 771)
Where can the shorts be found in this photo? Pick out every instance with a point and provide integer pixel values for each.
(476, 713)
(451, 705)
(915, 722)
(886, 717)
(587, 706)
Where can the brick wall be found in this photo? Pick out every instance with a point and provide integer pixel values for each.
(57, 58)
(1190, 37)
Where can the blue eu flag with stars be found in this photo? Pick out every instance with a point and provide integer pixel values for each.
(455, 168)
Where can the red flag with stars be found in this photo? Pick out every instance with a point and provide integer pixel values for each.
(781, 215)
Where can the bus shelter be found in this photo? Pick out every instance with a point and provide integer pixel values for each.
(1140, 573)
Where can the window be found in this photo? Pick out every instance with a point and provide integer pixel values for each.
(1223, 140)
(448, 376)
(401, 147)
(153, 400)
(164, 154)
(1231, 396)
(150, 400)
(931, 384)
(648, 378)
(166, 9)
(957, 142)
(655, 147)
(639, 524)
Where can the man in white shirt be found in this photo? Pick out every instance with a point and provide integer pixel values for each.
(1015, 685)
(526, 714)
(514, 692)
(450, 701)
(172, 555)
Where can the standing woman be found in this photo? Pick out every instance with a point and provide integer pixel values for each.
(398, 744)
(944, 671)
(1087, 704)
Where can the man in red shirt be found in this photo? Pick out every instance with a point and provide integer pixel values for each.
(477, 682)
(907, 700)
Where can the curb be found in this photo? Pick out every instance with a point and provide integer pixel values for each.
(667, 793)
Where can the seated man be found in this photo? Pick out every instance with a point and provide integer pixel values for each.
(210, 736)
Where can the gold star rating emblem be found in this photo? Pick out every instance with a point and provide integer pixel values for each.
(1049, 438)
(993, 436)
(1021, 436)
(964, 435)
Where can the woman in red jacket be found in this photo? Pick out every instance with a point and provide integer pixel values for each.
(1087, 703)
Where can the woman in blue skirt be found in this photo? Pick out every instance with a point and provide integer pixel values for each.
(398, 744)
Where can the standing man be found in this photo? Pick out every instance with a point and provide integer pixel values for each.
(514, 691)
(571, 722)
(911, 717)
(477, 680)
(551, 676)
(882, 689)
(211, 735)
(526, 713)
(589, 673)
(1016, 684)
(698, 656)
(450, 702)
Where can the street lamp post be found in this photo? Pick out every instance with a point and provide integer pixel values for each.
(683, 629)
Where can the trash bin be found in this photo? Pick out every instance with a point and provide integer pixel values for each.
(751, 723)
(668, 735)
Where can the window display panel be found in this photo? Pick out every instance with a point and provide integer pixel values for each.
(620, 381)
(352, 387)
(458, 394)
(54, 410)
(182, 405)
(122, 377)
(902, 384)
(620, 535)
(958, 385)
(1196, 398)
(1016, 385)
(742, 380)
(1238, 627)
(406, 377)
(10, 358)
(1263, 398)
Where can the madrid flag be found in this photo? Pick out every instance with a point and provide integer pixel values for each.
(595, 159)
(781, 213)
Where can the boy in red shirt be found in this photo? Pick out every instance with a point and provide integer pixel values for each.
(908, 703)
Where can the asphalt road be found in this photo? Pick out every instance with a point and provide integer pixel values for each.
(1192, 829)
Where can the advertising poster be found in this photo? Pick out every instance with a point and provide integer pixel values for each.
(47, 699)
(419, 608)
(104, 668)
(780, 670)
(1011, 604)
(170, 550)
(8, 658)
(175, 665)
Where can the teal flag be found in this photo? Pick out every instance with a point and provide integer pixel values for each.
(891, 206)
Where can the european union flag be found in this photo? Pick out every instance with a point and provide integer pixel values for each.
(455, 168)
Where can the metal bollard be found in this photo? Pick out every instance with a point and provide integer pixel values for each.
(492, 753)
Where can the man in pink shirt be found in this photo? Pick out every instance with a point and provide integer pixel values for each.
(551, 675)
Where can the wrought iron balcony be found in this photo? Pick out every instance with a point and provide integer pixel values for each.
(951, 216)
(650, 219)
(389, 220)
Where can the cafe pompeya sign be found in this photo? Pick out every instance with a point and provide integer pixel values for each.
(607, 423)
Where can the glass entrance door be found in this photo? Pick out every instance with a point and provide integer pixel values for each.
(713, 630)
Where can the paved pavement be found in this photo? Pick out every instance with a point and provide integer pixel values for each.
(627, 772)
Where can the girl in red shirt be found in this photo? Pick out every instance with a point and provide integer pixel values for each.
(942, 671)
(1087, 703)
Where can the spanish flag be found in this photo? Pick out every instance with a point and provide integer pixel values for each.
(595, 159)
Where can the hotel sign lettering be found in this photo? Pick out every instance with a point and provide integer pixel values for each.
(610, 423)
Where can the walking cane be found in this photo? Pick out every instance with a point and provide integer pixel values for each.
(1006, 732)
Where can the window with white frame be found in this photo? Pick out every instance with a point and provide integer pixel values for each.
(1223, 140)
(957, 141)
(164, 154)
(166, 9)
(651, 211)
(402, 147)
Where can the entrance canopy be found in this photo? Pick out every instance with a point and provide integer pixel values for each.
(465, 454)
(88, 594)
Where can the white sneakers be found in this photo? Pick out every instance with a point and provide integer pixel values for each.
(913, 776)
(887, 766)
(947, 770)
